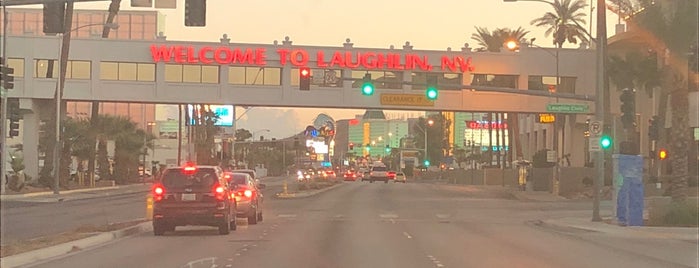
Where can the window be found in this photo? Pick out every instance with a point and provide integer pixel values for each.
(538, 82)
(444, 80)
(127, 71)
(381, 79)
(75, 69)
(320, 77)
(177, 73)
(18, 65)
(495, 80)
(268, 76)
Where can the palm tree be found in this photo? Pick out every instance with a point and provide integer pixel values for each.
(76, 145)
(565, 22)
(670, 26)
(493, 41)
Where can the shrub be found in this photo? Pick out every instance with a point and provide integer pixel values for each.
(678, 214)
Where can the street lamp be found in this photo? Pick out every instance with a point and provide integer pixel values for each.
(59, 98)
(430, 122)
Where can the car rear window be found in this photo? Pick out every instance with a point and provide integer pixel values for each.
(239, 178)
(378, 169)
(249, 172)
(202, 179)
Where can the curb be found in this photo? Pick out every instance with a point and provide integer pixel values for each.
(59, 250)
(562, 227)
(306, 194)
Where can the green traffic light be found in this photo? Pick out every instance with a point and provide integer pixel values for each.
(605, 142)
(427, 163)
(367, 89)
(431, 93)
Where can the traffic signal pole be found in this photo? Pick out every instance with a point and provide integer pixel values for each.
(599, 103)
(3, 118)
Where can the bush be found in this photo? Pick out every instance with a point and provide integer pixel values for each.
(685, 214)
(539, 159)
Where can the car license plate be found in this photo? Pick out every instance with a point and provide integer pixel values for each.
(189, 197)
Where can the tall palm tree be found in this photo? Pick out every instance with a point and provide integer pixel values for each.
(565, 22)
(671, 26)
(493, 41)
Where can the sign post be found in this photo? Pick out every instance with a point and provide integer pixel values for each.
(595, 136)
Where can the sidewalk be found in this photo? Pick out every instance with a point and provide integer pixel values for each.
(690, 234)
(538, 196)
(85, 193)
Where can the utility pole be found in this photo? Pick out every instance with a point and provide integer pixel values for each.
(599, 103)
(3, 118)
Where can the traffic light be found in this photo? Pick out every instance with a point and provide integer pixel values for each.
(8, 80)
(388, 149)
(367, 85)
(628, 108)
(195, 13)
(427, 163)
(605, 142)
(14, 116)
(654, 128)
(305, 78)
(351, 146)
(431, 91)
(662, 154)
(54, 17)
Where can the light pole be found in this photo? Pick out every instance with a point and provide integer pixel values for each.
(65, 37)
(601, 59)
(252, 140)
(430, 122)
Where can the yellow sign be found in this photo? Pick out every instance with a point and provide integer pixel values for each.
(406, 99)
(547, 118)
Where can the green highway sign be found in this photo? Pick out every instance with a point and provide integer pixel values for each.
(567, 108)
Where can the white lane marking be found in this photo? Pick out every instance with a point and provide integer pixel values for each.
(286, 216)
(443, 216)
(393, 221)
(406, 234)
(431, 257)
(229, 265)
(436, 262)
(440, 265)
(388, 216)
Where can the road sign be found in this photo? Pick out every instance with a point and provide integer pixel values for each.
(547, 118)
(551, 156)
(406, 99)
(567, 108)
(595, 129)
(594, 144)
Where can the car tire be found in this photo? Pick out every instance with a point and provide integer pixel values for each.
(224, 227)
(252, 219)
(158, 229)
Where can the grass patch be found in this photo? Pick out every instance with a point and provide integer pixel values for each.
(676, 214)
(21, 246)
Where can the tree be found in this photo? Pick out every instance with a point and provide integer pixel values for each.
(670, 27)
(242, 134)
(565, 22)
(493, 41)
(435, 137)
(204, 131)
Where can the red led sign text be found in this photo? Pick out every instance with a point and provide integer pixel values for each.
(486, 125)
(301, 57)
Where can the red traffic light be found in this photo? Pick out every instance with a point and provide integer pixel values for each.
(305, 72)
(662, 154)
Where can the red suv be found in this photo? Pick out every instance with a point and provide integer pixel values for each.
(193, 195)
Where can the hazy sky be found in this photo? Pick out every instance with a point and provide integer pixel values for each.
(368, 23)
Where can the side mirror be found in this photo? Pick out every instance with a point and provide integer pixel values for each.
(261, 185)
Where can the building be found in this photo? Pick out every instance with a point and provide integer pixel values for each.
(371, 133)
(132, 25)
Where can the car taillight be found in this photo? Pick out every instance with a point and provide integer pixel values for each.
(158, 193)
(220, 193)
(247, 193)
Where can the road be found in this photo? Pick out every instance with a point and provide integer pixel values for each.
(393, 225)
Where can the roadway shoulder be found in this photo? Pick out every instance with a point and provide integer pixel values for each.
(61, 250)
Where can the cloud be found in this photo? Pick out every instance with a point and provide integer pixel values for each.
(281, 123)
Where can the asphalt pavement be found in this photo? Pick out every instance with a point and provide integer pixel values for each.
(394, 225)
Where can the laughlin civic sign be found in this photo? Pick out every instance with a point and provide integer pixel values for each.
(300, 57)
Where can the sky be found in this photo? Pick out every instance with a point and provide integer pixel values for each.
(368, 23)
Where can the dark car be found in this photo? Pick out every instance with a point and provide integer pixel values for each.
(193, 195)
(248, 196)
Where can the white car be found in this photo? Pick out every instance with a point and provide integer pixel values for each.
(400, 177)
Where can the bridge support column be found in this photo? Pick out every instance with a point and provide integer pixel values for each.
(30, 136)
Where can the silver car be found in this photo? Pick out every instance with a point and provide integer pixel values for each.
(248, 196)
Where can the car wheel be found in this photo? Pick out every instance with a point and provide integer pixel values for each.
(224, 227)
(252, 219)
(158, 229)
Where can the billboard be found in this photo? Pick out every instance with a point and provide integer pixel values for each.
(225, 114)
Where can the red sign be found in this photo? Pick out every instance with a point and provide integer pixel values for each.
(300, 57)
(486, 125)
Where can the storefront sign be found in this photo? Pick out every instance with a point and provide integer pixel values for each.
(300, 57)
(406, 100)
(486, 125)
(547, 118)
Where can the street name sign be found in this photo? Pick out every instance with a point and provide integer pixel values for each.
(567, 108)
